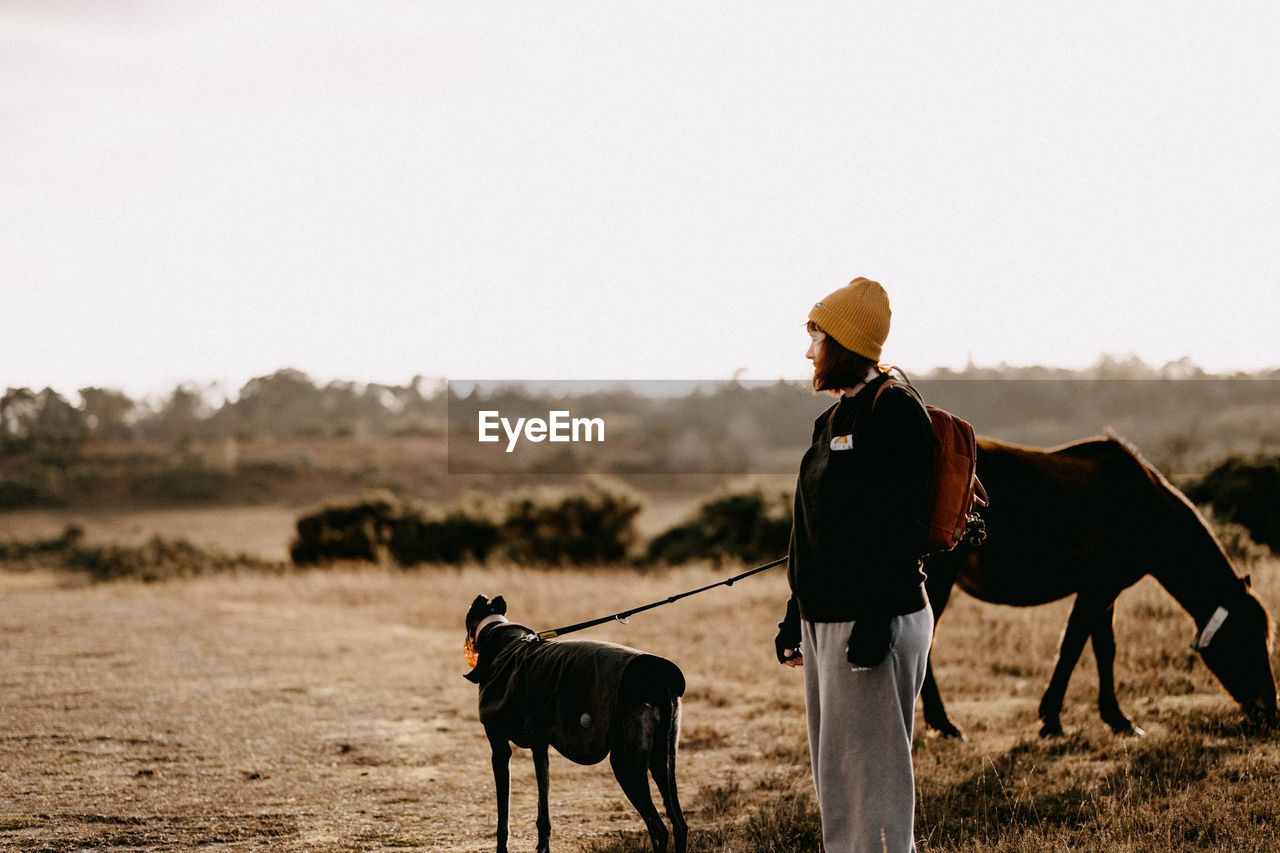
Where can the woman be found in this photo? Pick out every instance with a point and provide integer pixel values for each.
(858, 609)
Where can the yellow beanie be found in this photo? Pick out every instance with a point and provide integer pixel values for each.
(857, 316)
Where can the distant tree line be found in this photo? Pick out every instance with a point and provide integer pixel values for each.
(103, 448)
(286, 403)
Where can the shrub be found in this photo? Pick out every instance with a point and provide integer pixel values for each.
(72, 536)
(180, 477)
(356, 529)
(748, 525)
(464, 533)
(595, 526)
(1236, 540)
(1245, 492)
(159, 559)
(21, 493)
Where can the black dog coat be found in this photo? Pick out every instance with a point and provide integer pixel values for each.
(562, 692)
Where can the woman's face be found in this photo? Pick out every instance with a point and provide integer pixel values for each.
(816, 337)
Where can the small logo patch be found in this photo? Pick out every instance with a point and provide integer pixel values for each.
(842, 442)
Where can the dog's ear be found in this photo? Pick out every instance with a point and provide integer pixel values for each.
(498, 604)
(479, 601)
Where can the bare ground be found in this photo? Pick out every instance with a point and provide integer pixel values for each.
(325, 711)
(306, 712)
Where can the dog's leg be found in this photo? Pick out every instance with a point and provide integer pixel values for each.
(636, 740)
(662, 764)
(501, 759)
(544, 810)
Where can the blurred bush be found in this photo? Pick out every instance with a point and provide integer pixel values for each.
(1244, 491)
(182, 479)
(577, 528)
(160, 559)
(21, 492)
(72, 536)
(545, 528)
(466, 533)
(356, 529)
(157, 559)
(1239, 545)
(750, 524)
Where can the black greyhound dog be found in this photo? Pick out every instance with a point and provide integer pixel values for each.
(588, 700)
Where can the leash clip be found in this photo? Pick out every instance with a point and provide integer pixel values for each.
(624, 620)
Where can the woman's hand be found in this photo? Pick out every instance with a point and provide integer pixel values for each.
(869, 641)
(787, 643)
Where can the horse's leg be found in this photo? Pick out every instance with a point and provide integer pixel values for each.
(1104, 652)
(501, 760)
(938, 586)
(544, 810)
(1081, 621)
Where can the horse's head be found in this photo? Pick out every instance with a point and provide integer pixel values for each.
(1235, 643)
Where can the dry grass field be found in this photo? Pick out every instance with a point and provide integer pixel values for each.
(325, 711)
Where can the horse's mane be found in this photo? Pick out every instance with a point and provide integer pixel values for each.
(1122, 451)
(1172, 492)
(1130, 448)
(1180, 502)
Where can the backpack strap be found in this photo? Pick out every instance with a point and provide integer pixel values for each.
(906, 380)
(980, 493)
(880, 390)
(980, 498)
(831, 413)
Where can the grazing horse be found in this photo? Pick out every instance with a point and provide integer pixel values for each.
(1092, 518)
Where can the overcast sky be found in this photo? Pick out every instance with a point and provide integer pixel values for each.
(210, 191)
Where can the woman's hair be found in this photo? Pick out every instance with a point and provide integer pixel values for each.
(837, 367)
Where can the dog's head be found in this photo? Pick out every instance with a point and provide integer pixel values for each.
(482, 608)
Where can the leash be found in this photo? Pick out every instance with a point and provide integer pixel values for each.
(623, 616)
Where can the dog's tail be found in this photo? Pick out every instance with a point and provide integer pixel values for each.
(673, 711)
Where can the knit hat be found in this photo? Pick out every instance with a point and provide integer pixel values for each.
(857, 316)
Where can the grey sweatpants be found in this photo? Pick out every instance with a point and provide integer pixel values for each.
(860, 726)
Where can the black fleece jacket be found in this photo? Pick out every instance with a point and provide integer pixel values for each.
(861, 509)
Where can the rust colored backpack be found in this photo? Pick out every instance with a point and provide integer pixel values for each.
(957, 491)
